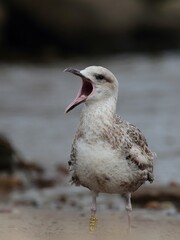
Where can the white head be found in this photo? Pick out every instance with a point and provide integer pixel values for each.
(98, 84)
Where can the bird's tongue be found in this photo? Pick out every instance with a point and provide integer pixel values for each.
(85, 90)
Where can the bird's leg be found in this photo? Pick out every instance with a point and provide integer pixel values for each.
(93, 219)
(129, 208)
(93, 206)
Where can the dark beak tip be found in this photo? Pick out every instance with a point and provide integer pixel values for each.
(74, 71)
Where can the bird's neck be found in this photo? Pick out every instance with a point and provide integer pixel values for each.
(98, 113)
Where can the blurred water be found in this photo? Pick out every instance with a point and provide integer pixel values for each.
(33, 99)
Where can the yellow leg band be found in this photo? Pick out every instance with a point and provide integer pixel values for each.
(92, 224)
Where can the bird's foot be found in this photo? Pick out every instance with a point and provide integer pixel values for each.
(92, 224)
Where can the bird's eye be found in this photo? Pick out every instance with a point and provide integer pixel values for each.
(99, 77)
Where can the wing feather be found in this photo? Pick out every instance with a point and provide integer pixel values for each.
(139, 152)
(136, 147)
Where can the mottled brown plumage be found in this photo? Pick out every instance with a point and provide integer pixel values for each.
(119, 135)
(108, 154)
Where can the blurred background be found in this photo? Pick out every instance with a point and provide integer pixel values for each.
(46, 30)
(138, 40)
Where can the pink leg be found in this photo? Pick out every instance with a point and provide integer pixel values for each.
(93, 219)
(129, 208)
(93, 205)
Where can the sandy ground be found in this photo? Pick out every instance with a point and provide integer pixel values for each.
(46, 224)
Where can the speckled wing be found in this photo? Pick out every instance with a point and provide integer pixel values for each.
(139, 153)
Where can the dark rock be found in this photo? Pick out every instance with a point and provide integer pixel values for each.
(44, 182)
(157, 195)
(10, 183)
(29, 167)
(8, 155)
(166, 206)
(62, 169)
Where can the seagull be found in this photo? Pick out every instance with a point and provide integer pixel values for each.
(109, 154)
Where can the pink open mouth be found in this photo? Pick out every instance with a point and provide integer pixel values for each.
(84, 92)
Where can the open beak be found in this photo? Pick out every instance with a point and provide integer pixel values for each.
(85, 90)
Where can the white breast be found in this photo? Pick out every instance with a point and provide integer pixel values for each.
(102, 169)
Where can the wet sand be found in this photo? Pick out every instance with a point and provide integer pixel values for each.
(46, 224)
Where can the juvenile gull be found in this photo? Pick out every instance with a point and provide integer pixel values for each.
(109, 154)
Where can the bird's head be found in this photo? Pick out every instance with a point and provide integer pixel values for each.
(98, 84)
